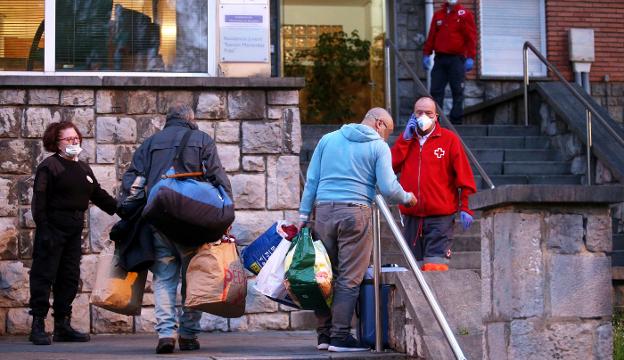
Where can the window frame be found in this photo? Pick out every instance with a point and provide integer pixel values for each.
(49, 57)
(542, 46)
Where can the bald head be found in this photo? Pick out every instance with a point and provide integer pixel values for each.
(380, 120)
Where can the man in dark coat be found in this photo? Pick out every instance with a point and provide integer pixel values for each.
(151, 160)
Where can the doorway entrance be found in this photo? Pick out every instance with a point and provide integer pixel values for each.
(338, 46)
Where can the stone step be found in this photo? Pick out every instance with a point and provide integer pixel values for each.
(531, 155)
(507, 142)
(618, 242)
(500, 180)
(468, 260)
(462, 243)
(536, 168)
(497, 130)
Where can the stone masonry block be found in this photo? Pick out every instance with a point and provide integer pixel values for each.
(123, 158)
(283, 182)
(517, 269)
(599, 236)
(259, 137)
(88, 267)
(108, 322)
(246, 104)
(141, 102)
(77, 97)
(12, 96)
(249, 191)
(83, 118)
(43, 97)
(303, 320)
(8, 239)
(25, 217)
(100, 224)
(36, 121)
(604, 342)
(111, 101)
(24, 188)
(113, 130)
(17, 156)
(88, 153)
(14, 284)
(239, 324)
(496, 339)
(292, 130)
(168, 98)
(105, 175)
(580, 286)
(229, 155)
(228, 132)
(105, 154)
(535, 339)
(10, 121)
(211, 322)
(3, 316)
(8, 192)
(250, 224)
(19, 321)
(207, 126)
(486, 266)
(283, 97)
(256, 302)
(564, 233)
(81, 319)
(146, 322)
(253, 163)
(148, 125)
(211, 105)
(273, 321)
(25, 243)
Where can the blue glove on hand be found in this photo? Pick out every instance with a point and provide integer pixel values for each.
(468, 64)
(466, 220)
(410, 128)
(427, 62)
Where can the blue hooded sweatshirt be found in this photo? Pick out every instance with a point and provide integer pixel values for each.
(346, 166)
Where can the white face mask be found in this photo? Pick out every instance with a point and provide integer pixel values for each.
(424, 122)
(73, 150)
(451, 2)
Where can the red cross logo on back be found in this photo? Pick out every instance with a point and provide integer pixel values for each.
(439, 153)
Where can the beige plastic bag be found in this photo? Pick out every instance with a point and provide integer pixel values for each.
(216, 282)
(115, 289)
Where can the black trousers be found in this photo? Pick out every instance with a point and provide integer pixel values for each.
(56, 266)
(449, 69)
(430, 238)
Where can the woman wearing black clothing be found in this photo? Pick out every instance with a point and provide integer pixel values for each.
(62, 190)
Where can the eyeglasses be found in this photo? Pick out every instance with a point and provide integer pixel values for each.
(70, 139)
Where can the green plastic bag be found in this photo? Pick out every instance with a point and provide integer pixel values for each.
(308, 276)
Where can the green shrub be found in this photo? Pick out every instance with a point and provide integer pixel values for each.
(618, 335)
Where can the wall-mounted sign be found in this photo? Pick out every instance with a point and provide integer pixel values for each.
(244, 32)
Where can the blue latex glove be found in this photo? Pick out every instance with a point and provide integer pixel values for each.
(468, 64)
(410, 128)
(427, 62)
(466, 220)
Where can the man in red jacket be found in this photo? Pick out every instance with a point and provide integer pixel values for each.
(433, 166)
(453, 38)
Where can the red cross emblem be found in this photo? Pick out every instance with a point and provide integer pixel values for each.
(439, 153)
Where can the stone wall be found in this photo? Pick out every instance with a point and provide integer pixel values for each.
(611, 96)
(258, 137)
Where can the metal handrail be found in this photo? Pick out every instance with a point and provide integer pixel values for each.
(443, 118)
(589, 108)
(433, 303)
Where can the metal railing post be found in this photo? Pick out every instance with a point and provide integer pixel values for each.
(525, 71)
(377, 277)
(411, 260)
(588, 119)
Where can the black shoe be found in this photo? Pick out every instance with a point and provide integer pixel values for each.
(38, 336)
(63, 332)
(165, 346)
(188, 344)
(323, 342)
(346, 344)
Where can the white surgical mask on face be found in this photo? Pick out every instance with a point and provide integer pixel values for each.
(451, 2)
(424, 122)
(73, 150)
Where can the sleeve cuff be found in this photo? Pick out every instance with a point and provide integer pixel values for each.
(304, 217)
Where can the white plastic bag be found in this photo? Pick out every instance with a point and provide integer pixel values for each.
(270, 280)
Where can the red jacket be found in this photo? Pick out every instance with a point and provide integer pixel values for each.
(452, 33)
(434, 173)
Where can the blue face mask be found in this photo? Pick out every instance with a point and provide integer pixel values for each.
(73, 150)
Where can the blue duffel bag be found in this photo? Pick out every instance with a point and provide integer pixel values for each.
(188, 209)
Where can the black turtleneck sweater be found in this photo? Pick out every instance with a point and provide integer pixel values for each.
(66, 185)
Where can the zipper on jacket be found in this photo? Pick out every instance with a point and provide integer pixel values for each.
(419, 166)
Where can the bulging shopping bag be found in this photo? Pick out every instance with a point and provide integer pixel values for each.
(270, 280)
(256, 254)
(216, 282)
(116, 289)
(308, 277)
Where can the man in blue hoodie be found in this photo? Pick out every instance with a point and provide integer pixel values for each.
(347, 165)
